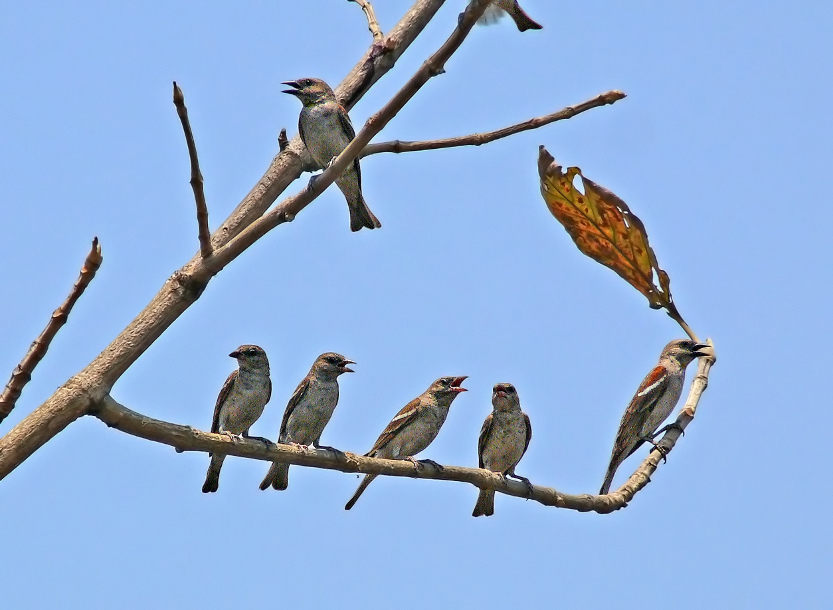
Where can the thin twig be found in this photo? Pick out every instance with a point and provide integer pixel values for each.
(23, 371)
(372, 24)
(477, 139)
(196, 176)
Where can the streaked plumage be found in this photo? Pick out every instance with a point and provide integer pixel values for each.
(414, 427)
(653, 402)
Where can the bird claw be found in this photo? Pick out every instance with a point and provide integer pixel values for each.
(263, 440)
(432, 463)
(525, 481)
(312, 180)
(235, 438)
(415, 462)
(339, 453)
(671, 426)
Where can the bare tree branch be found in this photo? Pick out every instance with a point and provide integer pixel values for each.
(196, 175)
(23, 371)
(477, 139)
(186, 438)
(185, 286)
(372, 24)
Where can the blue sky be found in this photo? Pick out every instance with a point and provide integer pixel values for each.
(722, 148)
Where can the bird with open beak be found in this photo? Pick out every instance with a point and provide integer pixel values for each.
(308, 412)
(326, 130)
(653, 402)
(414, 428)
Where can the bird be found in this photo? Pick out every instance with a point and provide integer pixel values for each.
(653, 402)
(326, 130)
(499, 8)
(414, 428)
(240, 403)
(504, 439)
(308, 411)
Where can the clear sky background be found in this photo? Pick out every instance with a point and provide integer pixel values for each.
(722, 148)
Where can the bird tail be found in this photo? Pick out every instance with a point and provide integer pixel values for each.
(277, 477)
(485, 503)
(611, 471)
(361, 217)
(212, 478)
(524, 21)
(368, 479)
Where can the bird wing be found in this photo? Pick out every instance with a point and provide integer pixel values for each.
(528, 432)
(347, 126)
(227, 386)
(405, 416)
(640, 407)
(290, 406)
(485, 432)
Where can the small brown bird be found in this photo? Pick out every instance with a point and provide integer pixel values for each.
(653, 402)
(326, 130)
(240, 404)
(499, 8)
(414, 428)
(308, 412)
(503, 441)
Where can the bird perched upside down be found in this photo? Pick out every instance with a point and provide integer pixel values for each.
(499, 8)
(653, 402)
(503, 441)
(326, 130)
(240, 403)
(308, 412)
(414, 427)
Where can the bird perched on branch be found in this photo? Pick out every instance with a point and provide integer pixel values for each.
(326, 130)
(653, 402)
(499, 8)
(504, 438)
(414, 428)
(308, 412)
(240, 403)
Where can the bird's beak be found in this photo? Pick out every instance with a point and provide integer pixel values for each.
(345, 368)
(295, 87)
(455, 385)
(703, 349)
(235, 354)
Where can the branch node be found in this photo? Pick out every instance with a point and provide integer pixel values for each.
(283, 142)
(372, 23)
